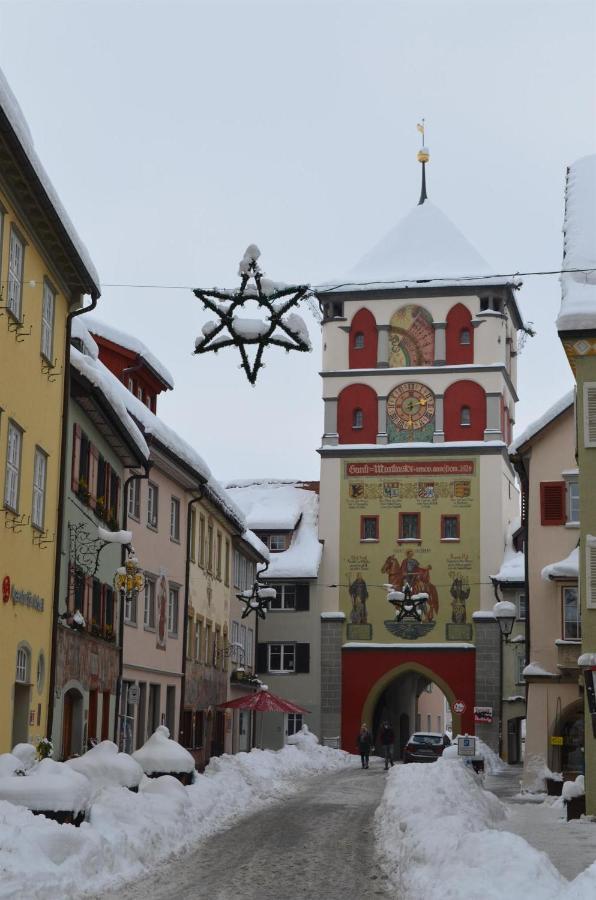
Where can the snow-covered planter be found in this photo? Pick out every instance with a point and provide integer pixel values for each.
(51, 789)
(10, 765)
(161, 756)
(574, 798)
(104, 766)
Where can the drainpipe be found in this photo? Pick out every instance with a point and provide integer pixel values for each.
(122, 603)
(497, 600)
(189, 506)
(61, 496)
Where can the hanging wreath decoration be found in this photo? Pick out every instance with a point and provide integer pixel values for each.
(277, 326)
(257, 600)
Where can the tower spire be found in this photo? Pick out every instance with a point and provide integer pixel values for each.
(423, 157)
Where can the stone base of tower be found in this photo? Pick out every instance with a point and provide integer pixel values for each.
(369, 674)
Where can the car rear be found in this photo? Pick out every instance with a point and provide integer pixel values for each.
(424, 746)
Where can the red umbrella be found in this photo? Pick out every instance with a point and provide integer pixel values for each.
(263, 701)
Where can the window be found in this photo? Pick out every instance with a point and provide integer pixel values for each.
(174, 519)
(484, 304)
(202, 541)
(282, 658)
(140, 393)
(293, 723)
(193, 534)
(450, 528)
(409, 526)
(359, 341)
(148, 401)
(465, 416)
(47, 322)
(41, 672)
(130, 610)
(96, 606)
(243, 642)
(589, 414)
(208, 645)
(227, 564)
(131, 386)
(521, 605)
(16, 257)
(357, 419)
(552, 503)
(210, 548)
(173, 611)
(152, 505)
(198, 638)
(464, 337)
(276, 542)
(40, 462)
(234, 643)
(285, 597)
(369, 528)
(572, 629)
(573, 501)
(134, 499)
(520, 664)
(218, 556)
(22, 670)
(149, 611)
(13, 467)
(250, 643)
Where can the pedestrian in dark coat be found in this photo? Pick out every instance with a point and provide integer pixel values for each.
(387, 737)
(364, 741)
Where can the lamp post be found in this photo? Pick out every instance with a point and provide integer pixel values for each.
(129, 581)
(505, 613)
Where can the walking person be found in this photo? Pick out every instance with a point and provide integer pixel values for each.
(387, 742)
(364, 742)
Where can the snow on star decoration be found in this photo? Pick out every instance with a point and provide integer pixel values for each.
(276, 325)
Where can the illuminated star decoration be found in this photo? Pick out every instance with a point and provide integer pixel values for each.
(276, 324)
(407, 605)
(256, 600)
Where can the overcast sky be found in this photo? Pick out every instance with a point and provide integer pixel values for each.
(177, 133)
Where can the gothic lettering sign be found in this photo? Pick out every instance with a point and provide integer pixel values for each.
(374, 469)
(26, 598)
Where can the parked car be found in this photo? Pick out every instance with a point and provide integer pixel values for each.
(425, 746)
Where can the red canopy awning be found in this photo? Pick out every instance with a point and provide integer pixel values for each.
(263, 701)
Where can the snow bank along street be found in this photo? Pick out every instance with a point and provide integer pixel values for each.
(441, 835)
(127, 834)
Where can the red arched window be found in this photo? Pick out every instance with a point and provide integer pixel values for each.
(357, 416)
(464, 411)
(363, 341)
(459, 336)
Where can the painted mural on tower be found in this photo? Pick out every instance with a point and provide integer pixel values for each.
(413, 527)
(411, 337)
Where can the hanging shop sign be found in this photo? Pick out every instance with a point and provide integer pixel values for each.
(556, 740)
(26, 598)
(5, 589)
(483, 714)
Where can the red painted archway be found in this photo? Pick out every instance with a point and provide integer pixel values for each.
(367, 672)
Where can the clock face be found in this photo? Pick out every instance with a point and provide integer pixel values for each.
(411, 406)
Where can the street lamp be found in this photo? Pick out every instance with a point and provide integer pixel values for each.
(505, 613)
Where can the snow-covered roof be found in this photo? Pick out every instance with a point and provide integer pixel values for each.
(542, 421)
(255, 542)
(578, 289)
(425, 246)
(513, 567)
(13, 112)
(565, 568)
(537, 670)
(279, 505)
(132, 343)
(95, 372)
(79, 332)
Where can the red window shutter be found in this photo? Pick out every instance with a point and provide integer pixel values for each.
(552, 502)
(93, 467)
(76, 457)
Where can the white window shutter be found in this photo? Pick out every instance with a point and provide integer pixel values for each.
(590, 414)
(591, 574)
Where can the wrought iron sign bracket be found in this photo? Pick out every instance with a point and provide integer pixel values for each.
(49, 370)
(15, 522)
(19, 329)
(40, 538)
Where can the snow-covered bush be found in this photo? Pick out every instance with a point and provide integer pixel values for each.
(160, 754)
(104, 766)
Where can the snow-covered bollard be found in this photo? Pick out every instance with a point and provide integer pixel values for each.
(161, 756)
(574, 798)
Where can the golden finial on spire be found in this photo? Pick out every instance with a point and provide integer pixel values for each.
(423, 157)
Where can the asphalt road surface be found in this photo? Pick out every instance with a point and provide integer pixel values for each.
(318, 844)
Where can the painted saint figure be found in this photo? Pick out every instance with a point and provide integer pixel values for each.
(460, 591)
(359, 595)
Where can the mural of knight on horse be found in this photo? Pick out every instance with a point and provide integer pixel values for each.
(409, 571)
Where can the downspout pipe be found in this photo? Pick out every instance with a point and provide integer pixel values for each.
(189, 506)
(122, 602)
(498, 600)
(61, 498)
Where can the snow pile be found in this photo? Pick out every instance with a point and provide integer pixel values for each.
(114, 537)
(566, 568)
(304, 739)
(437, 838)
(513, 567)
(575, 788)
(128, 834)
(132, 343)
(542, 421)
(160, 754)
(48, 785)
(578, 289)
(283, 506)
(10, 764)
(493, 764)
(79, 332)
(104, 766)
(534, 668)
(26, 753)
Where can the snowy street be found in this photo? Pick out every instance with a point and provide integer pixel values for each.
(318, 843)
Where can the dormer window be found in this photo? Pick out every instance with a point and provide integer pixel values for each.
(131, 387)
(359, 341)
(277, 542)
(358, 419)
(465, 417)
(140, 393)
(464, 337)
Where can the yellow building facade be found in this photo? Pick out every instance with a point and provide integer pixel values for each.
(44, 273)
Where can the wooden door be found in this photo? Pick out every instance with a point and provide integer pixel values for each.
(67, 725)
(92, 717)
(105, 716)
